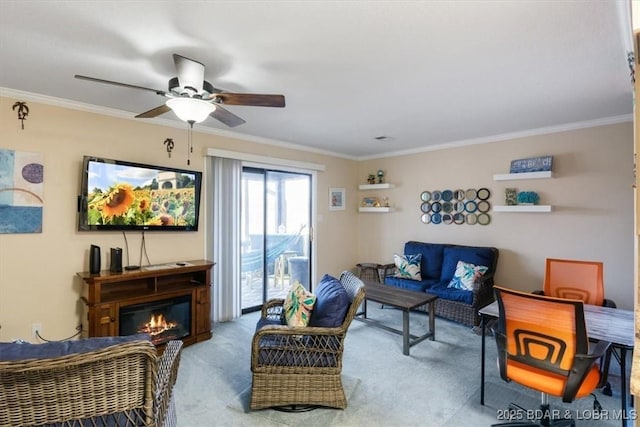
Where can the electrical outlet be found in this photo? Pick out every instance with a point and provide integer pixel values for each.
(36, 328)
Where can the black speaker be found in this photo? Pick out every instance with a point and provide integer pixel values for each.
(116, 260)
(94, 259)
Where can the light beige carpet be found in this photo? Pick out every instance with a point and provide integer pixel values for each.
(319, 416)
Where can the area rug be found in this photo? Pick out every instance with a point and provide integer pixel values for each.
(319, 416)
(498, 396)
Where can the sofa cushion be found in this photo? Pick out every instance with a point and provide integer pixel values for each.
(468, 254)
(466, 275)
(332, 302)
(412, 285)
(408, 266)
(432, 253)
(298, 305)
(25, 351)
(443, 291)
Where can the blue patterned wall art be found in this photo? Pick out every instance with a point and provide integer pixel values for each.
(21, 189)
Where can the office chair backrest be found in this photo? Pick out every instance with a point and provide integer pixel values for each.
(539, 331)
(572, 279)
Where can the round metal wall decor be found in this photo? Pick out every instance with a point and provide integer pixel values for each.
(459, 206)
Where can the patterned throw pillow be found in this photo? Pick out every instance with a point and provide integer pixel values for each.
(466, 275)
(408, 266)
(298, 305)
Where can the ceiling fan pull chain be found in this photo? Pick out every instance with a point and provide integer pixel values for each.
(190, 142)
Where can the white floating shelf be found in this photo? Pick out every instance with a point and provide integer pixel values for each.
(523, 175)
(375, 186)
(523, 208)
(374, 209)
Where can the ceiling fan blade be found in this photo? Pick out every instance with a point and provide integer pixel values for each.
(250, 99)
(154, 112)
(93, 79)
(190, 72)
(226, 117)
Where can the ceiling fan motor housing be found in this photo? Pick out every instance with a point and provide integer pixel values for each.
(207, 89)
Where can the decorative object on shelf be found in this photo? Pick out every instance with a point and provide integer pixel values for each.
(336, 199)
(169, 143)
(23, 111)
(510, 196)
(459, 206)
(533, 164)
(370, 202)
(528, 198)
(380, 176)
(385, 201)
(371, 179)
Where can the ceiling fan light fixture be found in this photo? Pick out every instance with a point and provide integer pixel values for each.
(190, 109)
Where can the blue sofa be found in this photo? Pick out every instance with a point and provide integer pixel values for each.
(437, 268)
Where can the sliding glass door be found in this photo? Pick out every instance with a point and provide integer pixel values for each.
(275, 225)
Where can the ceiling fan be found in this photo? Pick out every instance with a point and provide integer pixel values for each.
(193, 99)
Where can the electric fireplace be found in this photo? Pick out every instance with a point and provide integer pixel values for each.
(163, 320)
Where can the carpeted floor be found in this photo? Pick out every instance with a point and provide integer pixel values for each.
(437, 385)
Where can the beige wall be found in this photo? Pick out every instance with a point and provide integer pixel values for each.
(592, 197)
(591, 194)
(38, 280)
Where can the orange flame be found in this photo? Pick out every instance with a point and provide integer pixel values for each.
(157, 325)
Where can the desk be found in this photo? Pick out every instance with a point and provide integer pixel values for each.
(603, 323)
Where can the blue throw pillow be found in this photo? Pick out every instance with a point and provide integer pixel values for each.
(332, 302)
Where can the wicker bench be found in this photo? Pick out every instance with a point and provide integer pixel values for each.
(123, 384)
(437, 267)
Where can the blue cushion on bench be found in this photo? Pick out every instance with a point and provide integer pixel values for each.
(442, 290)
(412, 285)
(432, 254)
(476, 256)
(25, 351)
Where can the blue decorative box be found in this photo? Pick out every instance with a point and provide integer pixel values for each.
(534, 164)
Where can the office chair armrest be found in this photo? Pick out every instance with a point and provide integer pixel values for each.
(581, 366)
(609, 303)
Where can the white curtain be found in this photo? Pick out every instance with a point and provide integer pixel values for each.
(223, 236)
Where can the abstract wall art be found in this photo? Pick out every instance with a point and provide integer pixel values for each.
(21, 190)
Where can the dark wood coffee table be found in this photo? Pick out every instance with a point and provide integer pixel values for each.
(404, 300)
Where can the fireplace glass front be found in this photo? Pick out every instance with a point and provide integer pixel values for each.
(164, 320)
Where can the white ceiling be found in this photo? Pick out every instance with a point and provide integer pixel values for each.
(425, 73)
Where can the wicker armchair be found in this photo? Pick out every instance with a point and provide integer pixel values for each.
(301, 366)
(125, 384)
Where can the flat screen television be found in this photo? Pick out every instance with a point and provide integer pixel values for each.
(121, 195)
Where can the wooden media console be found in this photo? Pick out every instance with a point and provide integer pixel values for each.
(106, 293)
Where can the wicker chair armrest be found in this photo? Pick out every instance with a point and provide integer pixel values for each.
(483, 291)
(388, 270)
(54, 392)
(293, 343)
(166, 379)
(273, 309)
(295, 331)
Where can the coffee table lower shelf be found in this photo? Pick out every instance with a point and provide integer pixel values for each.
(404, 300)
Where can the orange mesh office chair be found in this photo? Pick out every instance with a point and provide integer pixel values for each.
(543, 345)
(574, 279)
(582, 280)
